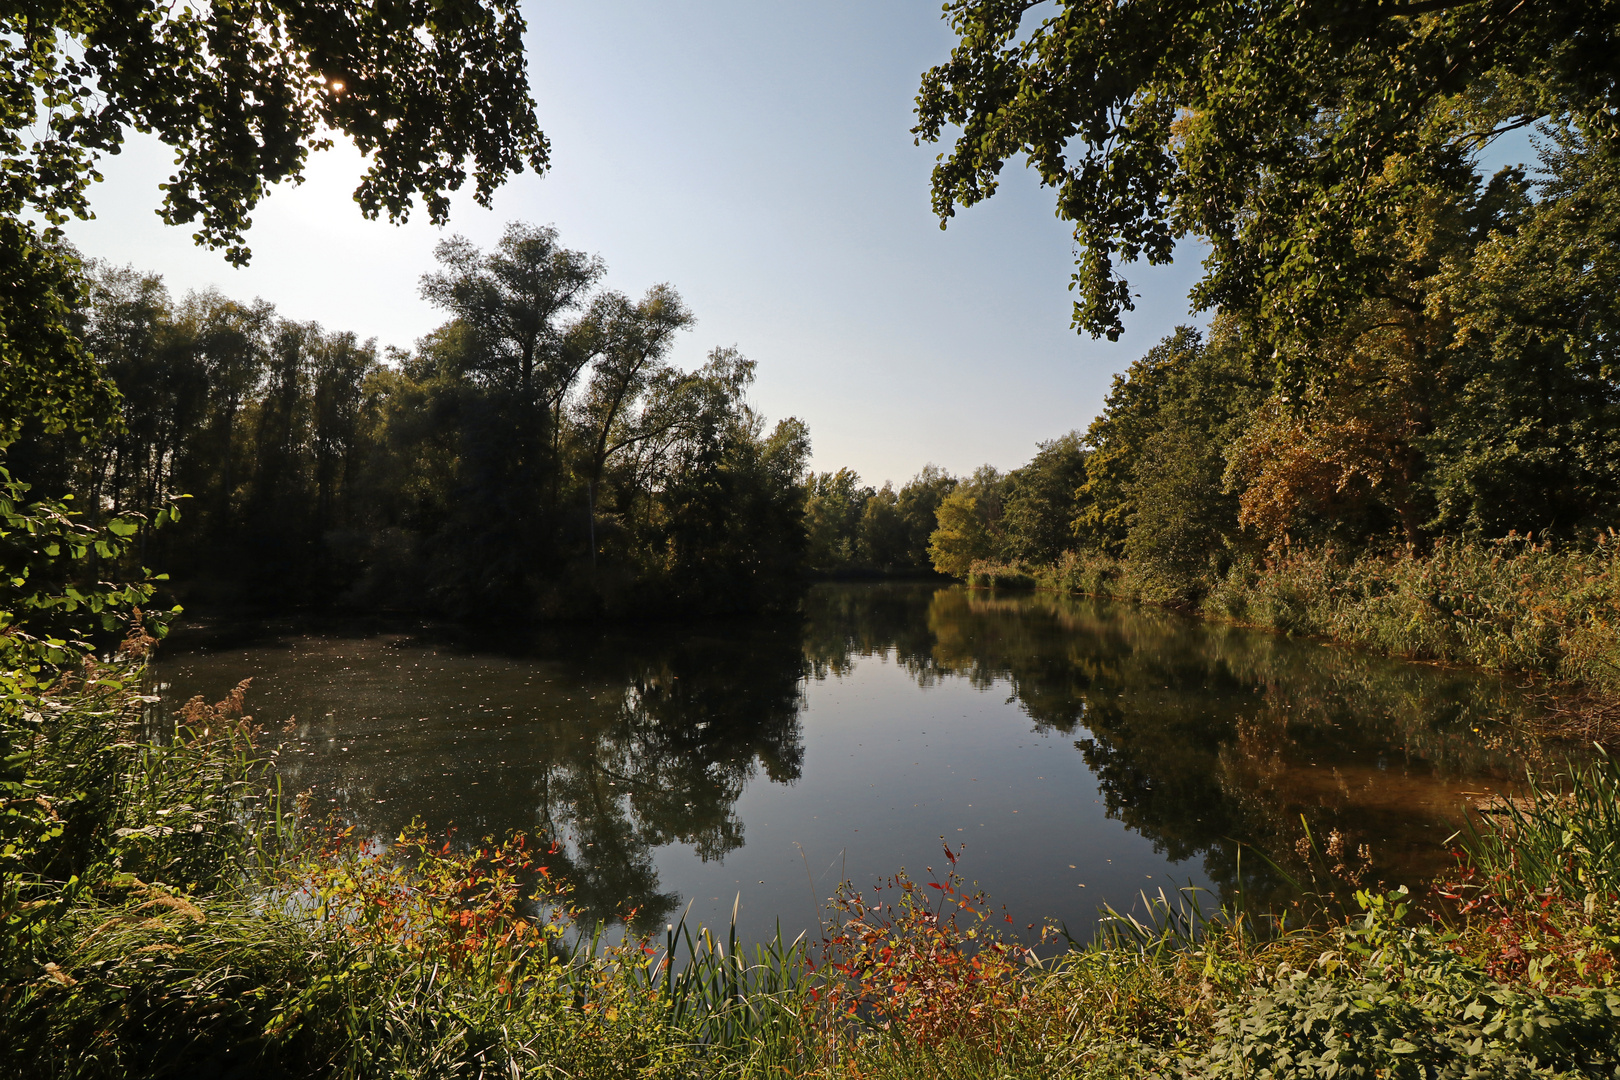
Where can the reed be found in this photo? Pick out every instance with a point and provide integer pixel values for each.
(1512, 605)
(1012, 577)
(1505, 605)
(1561, 839)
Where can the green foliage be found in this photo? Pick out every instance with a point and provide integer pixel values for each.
(1512, 605)
(424, 91)
(833, 509)
(1528, 438)
(1418, 1012)
(1287, 137)
(1405, 349)
(729, 521)
(421, 90)
(984, 574)
(45, 374)
(537, 455)
(61, 713)
(1117, 439)
(918, 506)
(1038, 508)
(854, 528)
(1562, 839)
(1472, 401)
(962, 538)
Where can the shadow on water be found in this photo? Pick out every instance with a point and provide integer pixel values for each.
(629, 744)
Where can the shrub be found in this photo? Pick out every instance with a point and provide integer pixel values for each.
(1392, 1000)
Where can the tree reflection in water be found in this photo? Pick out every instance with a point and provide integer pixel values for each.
(621, 743)
(1203, 735)
(614, 744)
(690, 726)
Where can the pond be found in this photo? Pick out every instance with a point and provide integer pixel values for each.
(1075, 752)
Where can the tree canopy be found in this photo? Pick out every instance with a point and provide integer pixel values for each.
(433, 92)
(538, 454)
(1289, 134)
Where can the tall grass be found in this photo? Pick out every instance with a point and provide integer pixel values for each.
(745, 1008)
(1562, 838)
(1511, 605)
(1506, 605)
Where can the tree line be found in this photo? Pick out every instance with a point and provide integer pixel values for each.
(537, 454)
(856, 528)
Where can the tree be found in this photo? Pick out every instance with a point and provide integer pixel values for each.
(1115, 440)
(430, 92)
(961, 538)
(918, 507)
(341, 368)
(881, 535)
(634, 340)
(243, 92)
(726, 527)
(1041, 501)
(1530, 437)
(1287, 135)
(833, 507)
(1155, 485)
(969, 523)
(510, 300)
(233, 343)
(44, 373)
(509, 303)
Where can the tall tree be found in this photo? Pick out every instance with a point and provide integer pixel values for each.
(634, 342)
(1039, 512)
(510, 302)
(511, 299)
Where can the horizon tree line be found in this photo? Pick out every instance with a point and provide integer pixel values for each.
(535, 455)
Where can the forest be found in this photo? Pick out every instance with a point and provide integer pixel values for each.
(535, 456)
(1436, 472)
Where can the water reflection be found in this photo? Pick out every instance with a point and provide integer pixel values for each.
(703, 754)
(1201, 735)
(618, 744)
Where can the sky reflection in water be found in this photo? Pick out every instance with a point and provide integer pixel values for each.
(1065, 743)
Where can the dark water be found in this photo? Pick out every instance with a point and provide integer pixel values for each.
(1079, 751)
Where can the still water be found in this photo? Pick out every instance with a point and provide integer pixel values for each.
(1077, 751)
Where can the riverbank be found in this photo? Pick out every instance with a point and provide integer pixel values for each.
(1512, 606)
(165, 914)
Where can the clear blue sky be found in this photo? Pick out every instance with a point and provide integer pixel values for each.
(756, 155)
